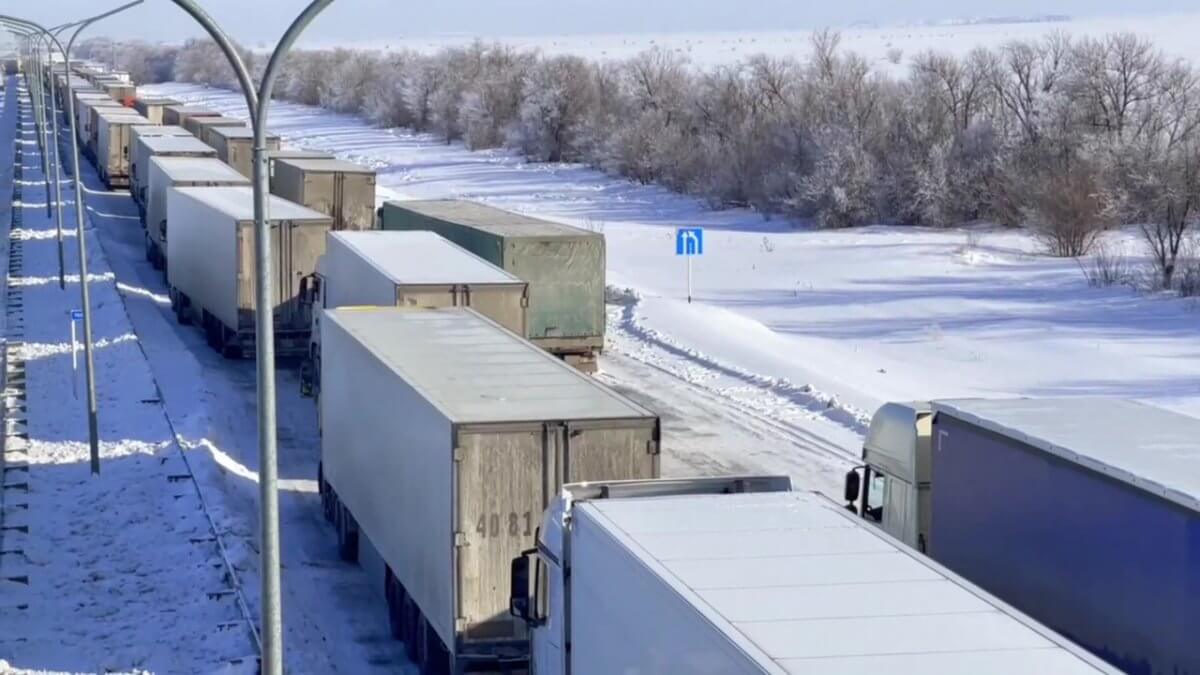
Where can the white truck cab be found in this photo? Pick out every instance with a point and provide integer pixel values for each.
(893, 483)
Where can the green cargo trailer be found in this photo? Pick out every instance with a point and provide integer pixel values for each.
(563, 265)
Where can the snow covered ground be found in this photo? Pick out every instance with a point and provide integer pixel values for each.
(810, 328)
(119, 572)
(1173, 33)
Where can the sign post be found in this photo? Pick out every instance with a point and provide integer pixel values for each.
(76, 315)
(689, 243)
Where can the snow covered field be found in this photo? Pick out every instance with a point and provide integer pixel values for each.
(1173, 33)
(811, 328)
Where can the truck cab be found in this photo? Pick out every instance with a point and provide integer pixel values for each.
(892, 487)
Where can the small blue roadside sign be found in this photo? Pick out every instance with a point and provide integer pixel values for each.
(689, 241)
(77, 315)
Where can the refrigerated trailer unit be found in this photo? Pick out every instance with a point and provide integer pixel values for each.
(445, 436)
(406, 269)
(210, 271)
(564, 266)
(740, 576)
(201, 127)
(339, 189)
(235, 147)
(138, 159)
(172, 145)
(1084, 513)
(170, 172)
(151, 107)
(178, 115)
(113, 149)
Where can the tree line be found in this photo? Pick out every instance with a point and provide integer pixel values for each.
(1066, 136)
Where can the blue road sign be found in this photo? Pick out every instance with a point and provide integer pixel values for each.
(689, 241)
(77, 315)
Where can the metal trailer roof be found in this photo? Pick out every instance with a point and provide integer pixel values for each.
(421, 258)
(475, 371)
(325, 165)
(120, 117)
(793, 578)
(277, 155)
(1152, 449)
(157, 100)
(240, 132)
(193, 108)
(147, 130)
(238, 203)
(490, 219)
(197, 169)
(187, 143)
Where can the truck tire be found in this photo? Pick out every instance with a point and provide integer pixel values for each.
(183, 312)
(326, 495)
(437, 658)
(347, 531)
(394, 593)
(410, 615)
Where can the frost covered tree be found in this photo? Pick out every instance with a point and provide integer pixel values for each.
(556, 94)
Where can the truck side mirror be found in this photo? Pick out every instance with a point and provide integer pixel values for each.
(518, 602)
(853, 486)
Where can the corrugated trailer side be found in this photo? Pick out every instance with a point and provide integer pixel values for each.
(1095, 549)
(522, 423)
(147, 147)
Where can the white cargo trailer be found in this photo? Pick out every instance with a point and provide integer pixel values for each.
(210, 248)
(178, 115)
(161, 146)
(151, 107)
(445, 436)
(344, 190)
(201, 127)
(112, 148)
(235, 147)
(739, 576)
(138, 161)
(406, 269)
(169, 172)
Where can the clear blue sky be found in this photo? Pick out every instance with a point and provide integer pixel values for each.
(263, 20)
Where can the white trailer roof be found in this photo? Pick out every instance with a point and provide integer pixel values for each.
(147, 130)
(187, 143)
(1150, 448)
(490, 219)
(197, 169)
(421, 258)
(325, 165)
(477, 372)
(238, 203)
(793, 578)
(240, 132)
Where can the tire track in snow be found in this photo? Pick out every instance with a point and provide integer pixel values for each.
(767, 401)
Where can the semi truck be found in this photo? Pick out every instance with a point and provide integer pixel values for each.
(201, 127)
(178, 115)
(445, 436)
(1084, 513)
(112, 145)
(404, 269)
(151, 107)
(140, 153)
(210, 271)
(740, 575)
(564, 265)
(339, 189)
(172, 172)
(235, 147)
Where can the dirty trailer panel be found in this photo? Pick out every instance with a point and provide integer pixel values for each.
(210, 251)
(178, 115)
(564, 266)
(339, 189)
(235, 147)
(113, 150)
(445, 436)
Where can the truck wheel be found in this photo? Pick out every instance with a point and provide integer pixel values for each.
(326, 493)
(149, 251)
(347, 531)
(409, 616)
(437, 658)
(183, 315)
(394, 593)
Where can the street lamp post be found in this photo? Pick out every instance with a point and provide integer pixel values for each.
(257, 103)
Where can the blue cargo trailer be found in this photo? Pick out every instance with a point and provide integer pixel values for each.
(1082, 513)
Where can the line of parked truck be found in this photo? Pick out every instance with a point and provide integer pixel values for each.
(511, 508)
